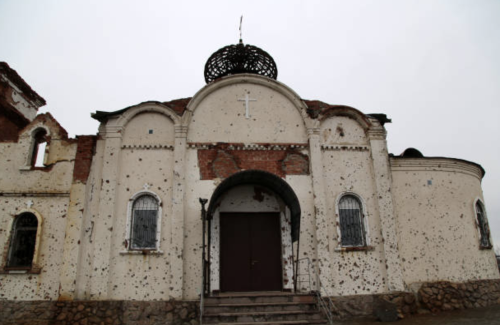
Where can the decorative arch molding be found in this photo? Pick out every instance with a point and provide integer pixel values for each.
(148, 107)
(35, 267)
(38, 128)
(145, 192)
(277, 86)
(128, 230)
(267, 180)
(347, 111)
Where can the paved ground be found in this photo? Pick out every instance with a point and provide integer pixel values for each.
(479, 316)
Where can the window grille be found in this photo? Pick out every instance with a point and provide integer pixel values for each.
(144, 223)
(483, 226)
(351, 221)
(23, 241)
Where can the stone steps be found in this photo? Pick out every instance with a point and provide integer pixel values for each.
(259, 307)
(262, 309)
(297, 322)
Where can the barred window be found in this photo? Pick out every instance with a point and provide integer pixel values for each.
(23, 241)
(144, 223)
(482, 223)
(352, 231)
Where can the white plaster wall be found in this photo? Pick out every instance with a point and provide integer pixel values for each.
(196, 188)
(354, 272)
(348, 167)
(342, 130)
(141, 277)
(47, 191)
(137, 131)
(302, 186)
(143, 158)
(438, 237)
(90, 215)
(220, 117)
(43, 286)
(57, 179)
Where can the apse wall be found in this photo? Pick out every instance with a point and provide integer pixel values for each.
(437, 228)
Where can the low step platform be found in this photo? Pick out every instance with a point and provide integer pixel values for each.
(262, 308)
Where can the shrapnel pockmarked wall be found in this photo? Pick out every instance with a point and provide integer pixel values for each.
(114, 219)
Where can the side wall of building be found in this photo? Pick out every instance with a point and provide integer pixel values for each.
(348, 169)
(438, 235)
(43, 192)
(134, 157)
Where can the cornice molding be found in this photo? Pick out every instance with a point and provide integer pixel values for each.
(399, 164)
(340, 147)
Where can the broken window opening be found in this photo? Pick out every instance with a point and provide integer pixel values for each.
(482, 223)
(23, 241)
(144, 223)
(39, 147)
(351, 222)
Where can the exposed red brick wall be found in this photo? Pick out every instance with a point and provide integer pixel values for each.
(178, 105)
(224, 165)
(295, 164)
(220, 162)
(83, 159)
(8, 130)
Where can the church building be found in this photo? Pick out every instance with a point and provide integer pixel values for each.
(243, 187)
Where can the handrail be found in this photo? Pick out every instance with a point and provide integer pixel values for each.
(327, 306)
(202, 291)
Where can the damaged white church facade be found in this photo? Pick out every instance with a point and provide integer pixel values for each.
(288, 181)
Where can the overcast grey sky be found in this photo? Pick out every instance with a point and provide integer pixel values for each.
(433, 66)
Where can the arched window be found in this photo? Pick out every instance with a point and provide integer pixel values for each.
(39, 146)
(23, 241)
(482, 224)
(144, 223)
(352, 230)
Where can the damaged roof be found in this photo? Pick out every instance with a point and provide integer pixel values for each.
(14, 77)
(315, 108)
(177, 105)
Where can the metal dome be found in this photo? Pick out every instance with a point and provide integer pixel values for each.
(240, 58)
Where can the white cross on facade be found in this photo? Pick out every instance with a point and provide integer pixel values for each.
(246, 100)
(146, 186)
(29, 204)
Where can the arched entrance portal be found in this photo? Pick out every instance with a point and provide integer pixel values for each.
(255, 220)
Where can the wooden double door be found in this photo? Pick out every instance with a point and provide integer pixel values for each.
(250, 252)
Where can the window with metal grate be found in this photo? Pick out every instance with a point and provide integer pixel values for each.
(351, 223)
(23, 241)
(144, 223)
